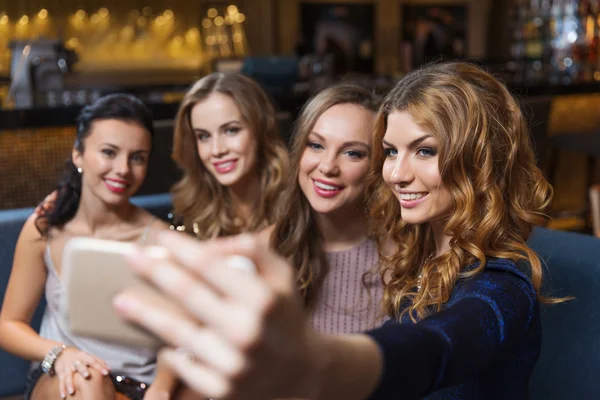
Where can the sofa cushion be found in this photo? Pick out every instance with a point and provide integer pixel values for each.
(570, 358)
(13, 370)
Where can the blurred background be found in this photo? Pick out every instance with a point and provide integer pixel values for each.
(58, 55)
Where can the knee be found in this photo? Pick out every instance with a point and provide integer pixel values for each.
(95, 386)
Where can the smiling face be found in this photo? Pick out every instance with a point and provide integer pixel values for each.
(114, 161)
(411, 170)
(335, 162)
(226, 145)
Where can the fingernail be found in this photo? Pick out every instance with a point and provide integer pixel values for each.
(125, 303)
(86, 374)
(71, 390)
(62, 395)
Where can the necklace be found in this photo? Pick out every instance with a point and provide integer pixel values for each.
(420, 277)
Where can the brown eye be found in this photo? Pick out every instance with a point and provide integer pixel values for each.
(138, 158)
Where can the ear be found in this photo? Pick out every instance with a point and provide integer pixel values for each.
(77, 158)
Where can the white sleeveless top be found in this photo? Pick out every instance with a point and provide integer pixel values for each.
(135, 362)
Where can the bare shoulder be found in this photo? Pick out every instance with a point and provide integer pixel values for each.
(30, 233)
(30, 247)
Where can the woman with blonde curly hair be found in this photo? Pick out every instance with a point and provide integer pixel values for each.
(233, 159)
(456, 186)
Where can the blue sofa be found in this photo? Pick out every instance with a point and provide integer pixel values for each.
(12, 369)
(570, 361)
(569, 364)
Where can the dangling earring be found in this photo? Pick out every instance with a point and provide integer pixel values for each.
(79, 170)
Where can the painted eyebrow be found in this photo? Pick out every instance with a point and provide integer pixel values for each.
(118, 148)
(235, 121)
(412, 144)
(346, 144)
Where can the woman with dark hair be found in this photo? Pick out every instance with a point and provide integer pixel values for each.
(108, 164)
(456, 189)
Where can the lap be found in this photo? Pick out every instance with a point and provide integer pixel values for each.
(41, 386)
(95, 386)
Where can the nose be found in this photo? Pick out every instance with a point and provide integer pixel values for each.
(328, 165)
(402, 173)
(218, 146)
(122, 166)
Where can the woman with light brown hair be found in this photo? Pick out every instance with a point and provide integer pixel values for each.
(323, 229)
(233, 159)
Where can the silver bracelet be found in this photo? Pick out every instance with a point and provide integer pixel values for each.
(48, 362)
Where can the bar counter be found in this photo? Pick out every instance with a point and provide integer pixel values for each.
(163, 93)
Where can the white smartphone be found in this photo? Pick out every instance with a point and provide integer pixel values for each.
(94, 271)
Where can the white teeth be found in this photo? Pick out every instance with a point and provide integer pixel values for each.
(117, 184)
(226, 165)
(324, 186)
(411, 196)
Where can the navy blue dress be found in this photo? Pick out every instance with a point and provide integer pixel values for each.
(482, 345)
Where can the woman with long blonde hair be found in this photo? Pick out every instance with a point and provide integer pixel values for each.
(456, 186)
(323, 229)
(233, 159)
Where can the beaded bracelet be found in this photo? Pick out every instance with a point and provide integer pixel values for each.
(48, 362)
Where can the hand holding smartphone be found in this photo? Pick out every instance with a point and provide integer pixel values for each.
(95, 271)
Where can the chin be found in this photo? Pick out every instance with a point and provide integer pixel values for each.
(116, 201)
(323, 208)
(412, 218)
(228, 180)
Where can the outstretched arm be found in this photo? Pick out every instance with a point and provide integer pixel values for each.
(249, 334)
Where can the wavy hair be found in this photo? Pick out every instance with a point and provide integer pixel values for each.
(198, 198)
(487, 164)
(117, 106)
(296, 235)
